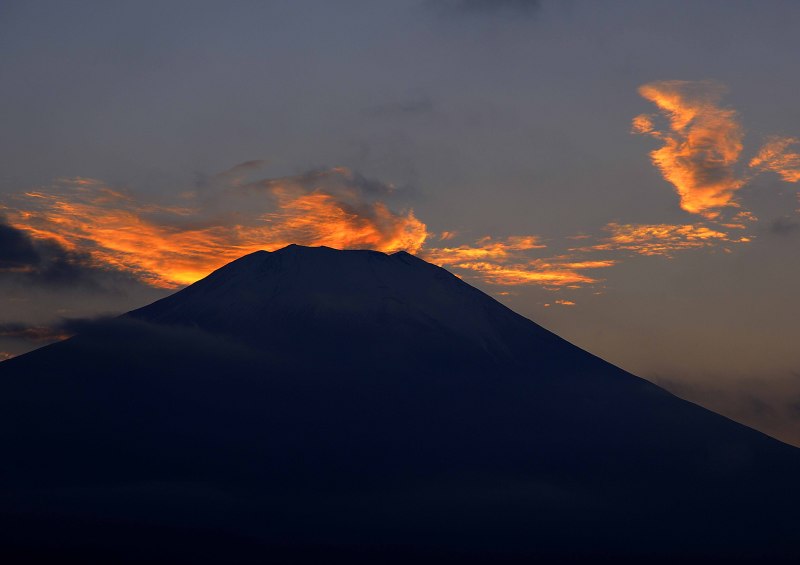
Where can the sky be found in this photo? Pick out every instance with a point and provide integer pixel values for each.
(626, 174)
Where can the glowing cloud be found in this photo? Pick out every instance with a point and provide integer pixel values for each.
(775, 156)
(169, 246)
(702, 143)
(485, 248)
(507, 263)
(661, 239)
(541, 273)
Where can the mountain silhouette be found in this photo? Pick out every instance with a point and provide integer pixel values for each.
(311, 405)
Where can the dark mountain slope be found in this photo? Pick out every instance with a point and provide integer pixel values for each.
(314, 404)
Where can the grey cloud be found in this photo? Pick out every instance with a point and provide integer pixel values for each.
(54, 331)
(784, 226)
(105, 335)
(240, 171)
(108, 334)
(44, 263)
(769, 404)
(16, 250)
(31, 333)
(516, 7)
(416, 106)
(332, 180)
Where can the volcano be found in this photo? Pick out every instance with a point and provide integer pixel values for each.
(309, 405)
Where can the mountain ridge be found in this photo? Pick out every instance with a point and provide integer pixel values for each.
(351, 400)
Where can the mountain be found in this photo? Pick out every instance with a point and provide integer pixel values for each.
(311, 405)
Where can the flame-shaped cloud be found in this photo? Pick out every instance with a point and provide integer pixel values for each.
(702, 143)
(169, 246)
(775, 156)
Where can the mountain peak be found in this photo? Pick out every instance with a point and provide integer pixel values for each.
(297, 248)
(385, 302)
(317, 398)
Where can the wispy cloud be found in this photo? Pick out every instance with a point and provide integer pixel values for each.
(661, 239)
(775, 156)
(484, 248)
(33, 333)
(509, 262)
(541, 273)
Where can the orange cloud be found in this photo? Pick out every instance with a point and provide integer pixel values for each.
(774, 156)
(661, 239)
(32, 333)
(507, 262)
(324, 219)
(173, 245)
(169, 246)
(701, 143)
(541, 273)
(485, 248)
(565, 302)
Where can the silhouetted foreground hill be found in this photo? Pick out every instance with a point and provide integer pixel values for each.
(312, 405)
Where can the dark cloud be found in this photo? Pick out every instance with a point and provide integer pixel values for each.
(55, 331)
(769, 404)
(421, 105)
(795, 410)
(107, 337)
(336, 180)
(516, 7)
(31, 333)
(45, 263)
(112, 336)
(16, 249)
(238, 173)
(784, 226)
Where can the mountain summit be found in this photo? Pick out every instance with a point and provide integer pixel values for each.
(299, 300)
(311, 404)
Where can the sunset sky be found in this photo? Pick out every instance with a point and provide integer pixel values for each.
(626, 174)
